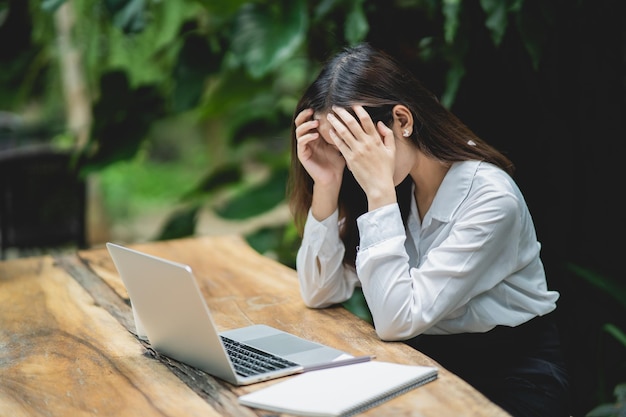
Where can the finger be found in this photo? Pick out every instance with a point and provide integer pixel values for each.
(305, 145)
(348, 121)
(366, 121)
(338, 141)
(339, 129)
(303, 116)
(387, 135)
(308, 127)
(306, 138)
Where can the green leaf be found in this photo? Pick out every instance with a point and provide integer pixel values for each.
(612, 287)
(221, 178)
(615, 332)
(128, 15)
(122, 119)
(4, 11)
(451, 10)
(146, 57)
(497, 21)
(51, 6)
(453, 80)
(356, 23)
(233, 91)
(222, 8)
(181, 223)
(257, 199)
(196, 61)
(265, 239)
(533, 31)
(278, 242)
(620, 393)
(266, 35)
(323, 8)
(358, 306)
(427, 49)
(604, 410)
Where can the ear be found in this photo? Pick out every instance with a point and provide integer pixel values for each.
(402, 121)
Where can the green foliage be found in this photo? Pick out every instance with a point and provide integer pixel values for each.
(141, 187)
(617, 291)
(356, 23)
(122, 119)
(257, 199)
(239, 67)
(222, 8)
(616, 332)
(617, 409)
(128, 15)
(196, 61)
(265, 36)
(280, 242)
(358, 306)
(451, 10)
(182, 223)
(610, 286)
(51, 6)
(497, 16)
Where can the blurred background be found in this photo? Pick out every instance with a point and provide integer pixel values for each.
(141, 120)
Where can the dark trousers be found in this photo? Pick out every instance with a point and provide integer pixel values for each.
(519, 368)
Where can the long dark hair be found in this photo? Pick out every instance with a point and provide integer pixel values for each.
(370, 77)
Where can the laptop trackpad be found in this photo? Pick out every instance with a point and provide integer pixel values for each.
(300, 351)
(283, 344)
(287, 345)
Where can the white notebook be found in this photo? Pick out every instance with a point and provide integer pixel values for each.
(340, 391)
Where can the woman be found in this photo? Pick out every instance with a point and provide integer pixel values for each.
(394, 194)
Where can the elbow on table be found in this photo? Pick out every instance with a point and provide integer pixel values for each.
(322, 297)
(314, 305)
(391, 333)
(315, 302)
(397, 330)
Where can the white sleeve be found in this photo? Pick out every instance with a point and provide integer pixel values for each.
(324, 280)
(405, 300)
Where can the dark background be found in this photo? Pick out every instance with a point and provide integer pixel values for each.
(563, 128)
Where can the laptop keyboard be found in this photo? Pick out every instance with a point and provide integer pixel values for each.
(249, 361)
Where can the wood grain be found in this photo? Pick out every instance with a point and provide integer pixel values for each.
(242, 287)
(67, 343)
(63, 355)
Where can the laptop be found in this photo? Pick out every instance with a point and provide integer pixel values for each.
(171, 312)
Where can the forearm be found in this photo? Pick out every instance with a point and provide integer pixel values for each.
(324, 202)
(323, 278)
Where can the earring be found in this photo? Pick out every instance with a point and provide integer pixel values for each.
(405, 133)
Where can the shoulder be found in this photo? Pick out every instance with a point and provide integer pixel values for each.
(495, 175)
(495, 193)
(490, 185)
(476, 186)
(491, 180)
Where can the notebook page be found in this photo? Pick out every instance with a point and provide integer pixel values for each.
(340, 391)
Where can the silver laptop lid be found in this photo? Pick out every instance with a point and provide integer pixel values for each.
(168, 305)
(166, 299)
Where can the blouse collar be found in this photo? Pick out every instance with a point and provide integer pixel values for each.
(453, 190)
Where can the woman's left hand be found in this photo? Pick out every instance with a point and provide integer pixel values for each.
(369, 151)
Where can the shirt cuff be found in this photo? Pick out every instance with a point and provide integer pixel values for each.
(322, 236)
(379, 225)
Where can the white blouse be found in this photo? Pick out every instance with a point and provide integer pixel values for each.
(472, 264)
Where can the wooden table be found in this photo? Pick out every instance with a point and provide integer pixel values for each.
(68, 348)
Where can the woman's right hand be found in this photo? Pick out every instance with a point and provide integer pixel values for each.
(322, 160)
